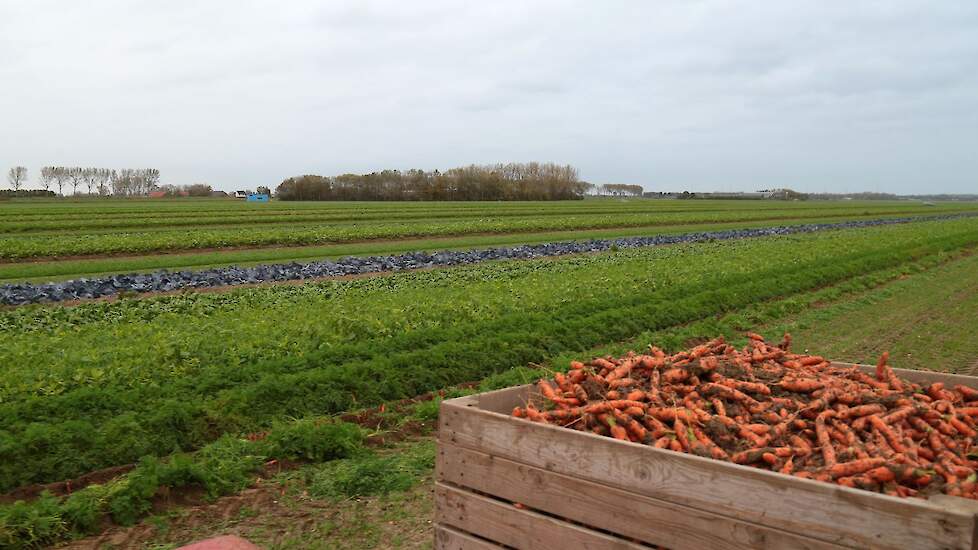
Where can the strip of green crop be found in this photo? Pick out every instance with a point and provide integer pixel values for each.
(103, 384)
(96, 219)
(54, 270)
(114, 223)
(67, 210)
(142, 241)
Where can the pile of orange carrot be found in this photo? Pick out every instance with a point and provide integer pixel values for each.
(767, 407)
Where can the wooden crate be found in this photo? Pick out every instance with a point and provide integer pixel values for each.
(581, 490)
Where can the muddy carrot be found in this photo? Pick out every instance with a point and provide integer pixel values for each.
(802, 385)
(861, 410)
(855, 467)
(824, 441)
(719, 408)
(789, 465)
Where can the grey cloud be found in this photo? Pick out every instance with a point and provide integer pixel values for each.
(674, 94)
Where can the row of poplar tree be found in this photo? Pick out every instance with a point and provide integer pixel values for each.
(128, 182)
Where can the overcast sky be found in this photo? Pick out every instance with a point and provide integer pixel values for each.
(699, 95)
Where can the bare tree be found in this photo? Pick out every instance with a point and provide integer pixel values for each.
(60, 177)
(137, 183)
(122, 182)
(151, 179)
(104, 177)
(47, 176)
(75, 176)
(17, 176)
(90, 177)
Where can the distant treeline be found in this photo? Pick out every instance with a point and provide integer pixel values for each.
(25, 193)
(192, 190)
(506, 182)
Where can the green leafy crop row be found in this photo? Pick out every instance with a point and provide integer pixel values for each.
(98, 220)
(111, 233)
(222, 467)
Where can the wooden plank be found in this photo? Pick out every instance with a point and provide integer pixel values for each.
(653, 521)
(511, 526)
(448, 538)
(503, 401)
(820, 510)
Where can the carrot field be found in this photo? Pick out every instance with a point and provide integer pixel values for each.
(214, 390)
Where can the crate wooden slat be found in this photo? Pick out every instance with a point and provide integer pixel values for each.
(656, 522)
(447, 538)
(511, 526)
(671, 499)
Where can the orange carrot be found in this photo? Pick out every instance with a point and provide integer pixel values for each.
(855, 467)
(861, 410)
(718, 407)
(968, 393)
(899, 415)
(562, 382)
(605, 406)
(547, 390)
(825, 443)
(682, 436)
(802, 385)
(622, 371)
(674, 376)
(785, 412)
(887, 432)
(962, 428)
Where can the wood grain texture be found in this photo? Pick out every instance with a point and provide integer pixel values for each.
(511, 526)
(448, 538)
(822, 511)
(653, 521)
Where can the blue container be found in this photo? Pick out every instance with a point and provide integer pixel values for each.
(255, 197)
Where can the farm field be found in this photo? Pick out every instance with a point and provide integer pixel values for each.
(851, 319)
(53, 240)
(176, 383)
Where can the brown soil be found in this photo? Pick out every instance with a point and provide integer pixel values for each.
(60, 488)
